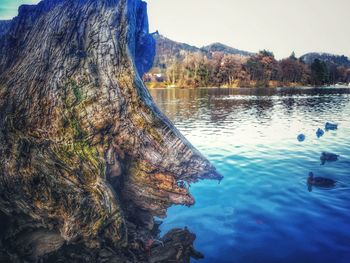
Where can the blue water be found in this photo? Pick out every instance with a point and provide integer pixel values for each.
(262, 211)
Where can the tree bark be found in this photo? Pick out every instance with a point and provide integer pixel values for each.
(86, 157)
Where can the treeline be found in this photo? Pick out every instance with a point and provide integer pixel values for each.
(259, 70)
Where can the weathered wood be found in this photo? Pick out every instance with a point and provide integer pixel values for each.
(84, 151)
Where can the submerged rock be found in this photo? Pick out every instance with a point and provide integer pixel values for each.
(86, 157)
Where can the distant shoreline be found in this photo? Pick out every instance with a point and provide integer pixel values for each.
(184, 66)
(155, 86)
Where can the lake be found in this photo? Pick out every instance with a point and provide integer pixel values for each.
(263, 210)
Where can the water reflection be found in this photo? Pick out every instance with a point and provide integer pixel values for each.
(219, 104)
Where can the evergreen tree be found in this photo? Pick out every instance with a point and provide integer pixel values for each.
(320, 72)
(292, 56)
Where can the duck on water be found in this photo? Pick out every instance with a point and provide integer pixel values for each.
(328, 157)
(331, 126)
(319, 133)
(319, 182)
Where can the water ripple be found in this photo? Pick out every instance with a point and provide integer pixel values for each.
(263, 211)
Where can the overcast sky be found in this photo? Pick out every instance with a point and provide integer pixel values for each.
(281, 26)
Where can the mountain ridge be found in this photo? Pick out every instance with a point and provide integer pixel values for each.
(167, 47)
(340, 60)
(220, 47)
(227, 49)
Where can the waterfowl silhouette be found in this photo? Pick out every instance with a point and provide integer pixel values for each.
(328, 157)
(331, 126)
(319, 132)
(301, 137)
(319, 182)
